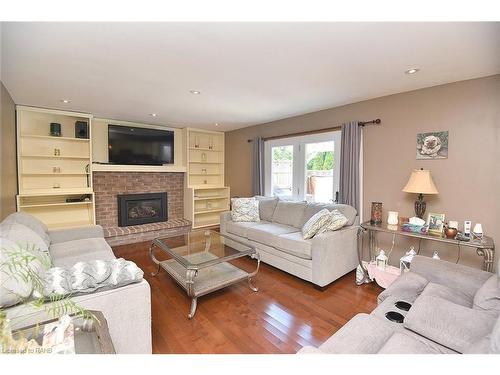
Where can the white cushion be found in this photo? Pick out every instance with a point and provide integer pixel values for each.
(294, 244)
(67, 254)
(17, 282)
(245, 209)
(23, 236)
(335, 221)
(315, 223)
(31, 222)
(267, 234)
(241, 228)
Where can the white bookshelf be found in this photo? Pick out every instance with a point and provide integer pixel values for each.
(52, 170)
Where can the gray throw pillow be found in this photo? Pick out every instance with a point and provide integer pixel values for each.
(267, 205)
(488, 296)
(23, 236)
(245, 210)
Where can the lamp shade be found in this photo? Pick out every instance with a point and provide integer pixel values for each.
(420, 182)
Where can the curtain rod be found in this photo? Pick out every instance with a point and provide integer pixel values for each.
(324, 130)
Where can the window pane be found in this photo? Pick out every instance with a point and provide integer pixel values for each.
(282, 171)
(320, 162)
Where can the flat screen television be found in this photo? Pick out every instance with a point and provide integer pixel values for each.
(140, 146)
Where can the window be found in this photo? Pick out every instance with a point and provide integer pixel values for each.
(303, 168)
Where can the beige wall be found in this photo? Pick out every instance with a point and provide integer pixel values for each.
(8, 185)
(468, 181)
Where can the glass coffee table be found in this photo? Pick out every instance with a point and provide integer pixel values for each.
(199, 262)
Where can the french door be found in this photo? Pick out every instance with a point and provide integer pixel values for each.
(303, 168)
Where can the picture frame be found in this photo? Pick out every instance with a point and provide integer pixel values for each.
(432, 145)
(435, 223)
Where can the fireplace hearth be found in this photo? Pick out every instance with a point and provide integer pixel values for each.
(137, 209)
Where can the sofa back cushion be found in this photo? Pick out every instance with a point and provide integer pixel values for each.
(488, 296)
(289, 213)
(31, 222)
(312, 208)
(267, 205)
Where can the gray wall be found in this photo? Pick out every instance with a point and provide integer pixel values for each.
(468, 181)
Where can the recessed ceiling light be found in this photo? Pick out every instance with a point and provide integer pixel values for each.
(412, 71)
(153, 114)
(195, 92)
(216, 124)
(65, 101)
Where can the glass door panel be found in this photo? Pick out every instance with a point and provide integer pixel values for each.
(282, 171)
(319, 166)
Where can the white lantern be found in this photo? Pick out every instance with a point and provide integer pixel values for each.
(381, 260)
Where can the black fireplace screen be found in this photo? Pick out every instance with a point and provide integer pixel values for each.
(136, 209)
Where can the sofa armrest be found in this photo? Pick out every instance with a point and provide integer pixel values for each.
(224, 218)
(334, 254)
(454, 326)
(456, 276)
(78, 233)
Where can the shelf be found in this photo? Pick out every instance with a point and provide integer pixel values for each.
(205, 174)
(54, 204)
(207, 186)
(55, 157)
(54, 138)
(211, 211)
(55, 174)
(204, 149)
(210, 198)
(205, 162)
(38, 192)
(70, 224)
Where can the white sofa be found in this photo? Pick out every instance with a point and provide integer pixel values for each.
(278, 239)
(127, 309)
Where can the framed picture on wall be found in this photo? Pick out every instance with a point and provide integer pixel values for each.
(435, 222)
(432, 145)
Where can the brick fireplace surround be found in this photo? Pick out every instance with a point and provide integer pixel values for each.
(107, 185)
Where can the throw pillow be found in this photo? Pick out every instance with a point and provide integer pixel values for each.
(86, 277)
(267, 205)
(21, 271)
(336, 221)
(245, 209)
(315, 223)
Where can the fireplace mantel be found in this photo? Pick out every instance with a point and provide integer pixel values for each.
(138, 168)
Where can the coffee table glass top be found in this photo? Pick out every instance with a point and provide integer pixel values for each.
(202, 248)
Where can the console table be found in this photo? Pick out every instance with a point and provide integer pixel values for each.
(484, 248)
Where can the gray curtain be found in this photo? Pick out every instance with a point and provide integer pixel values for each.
(258, 166)
(349, 164)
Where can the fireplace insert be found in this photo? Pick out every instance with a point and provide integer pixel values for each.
(136, 209)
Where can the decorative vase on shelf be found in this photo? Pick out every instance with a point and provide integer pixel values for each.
(376, 213)
(392, 218)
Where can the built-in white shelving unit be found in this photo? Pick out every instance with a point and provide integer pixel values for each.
(54, 172)
(205, 195)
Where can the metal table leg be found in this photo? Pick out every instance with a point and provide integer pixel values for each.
(251, 275)
(487, 255)
(190, 275)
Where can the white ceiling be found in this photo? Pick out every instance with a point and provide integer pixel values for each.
(248, 73)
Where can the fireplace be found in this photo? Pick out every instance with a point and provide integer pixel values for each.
(137, 209)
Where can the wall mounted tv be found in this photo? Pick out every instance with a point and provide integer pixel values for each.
(140, 146)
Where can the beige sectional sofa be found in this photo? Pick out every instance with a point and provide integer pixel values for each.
(278, 239)
(127, 309)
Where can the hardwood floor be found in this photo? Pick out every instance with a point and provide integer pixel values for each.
(286, 314)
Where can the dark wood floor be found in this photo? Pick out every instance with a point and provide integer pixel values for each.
(286, 314)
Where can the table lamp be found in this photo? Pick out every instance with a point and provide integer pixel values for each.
(420, 182)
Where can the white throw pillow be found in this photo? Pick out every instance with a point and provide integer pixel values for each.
(315, 223)
(245, 209)
(336, 221)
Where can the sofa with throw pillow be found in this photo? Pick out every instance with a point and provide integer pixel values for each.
(454, 309)
(76, 258)
(316, 242)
